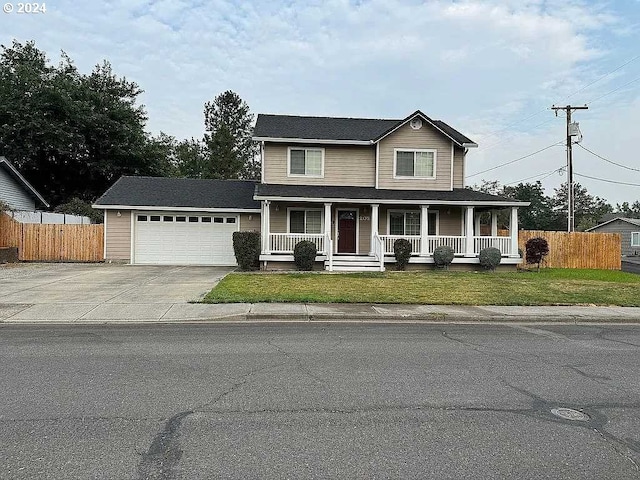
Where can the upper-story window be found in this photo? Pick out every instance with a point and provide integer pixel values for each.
(635, 239)
(414, 163)
(307, 162)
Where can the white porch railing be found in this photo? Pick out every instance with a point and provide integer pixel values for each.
(501, 243)
(378, 250)
(389, 240)
(455, 242)
(286, 242)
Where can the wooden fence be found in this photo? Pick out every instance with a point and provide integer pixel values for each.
(53, 242)
(578, 249)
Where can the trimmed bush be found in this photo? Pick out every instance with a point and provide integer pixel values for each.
(490, 258)
(537, 249)
(443, 256)
(402, 252)
(246, 247)
(304, 254)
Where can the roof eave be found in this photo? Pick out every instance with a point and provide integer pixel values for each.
(98, 206)
(25, 183)
(312, 140)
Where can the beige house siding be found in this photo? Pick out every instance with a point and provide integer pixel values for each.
(249, 222)
(118, 235)
(458, 168)
(426, 137)
(343, 165)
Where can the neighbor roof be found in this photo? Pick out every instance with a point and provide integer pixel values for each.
(632, 221)
(180, 192)
(15, 174)
(366, 130)
(366, 194)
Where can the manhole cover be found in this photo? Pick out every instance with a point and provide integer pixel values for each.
(570, 414)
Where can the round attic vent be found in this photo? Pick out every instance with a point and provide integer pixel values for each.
(416, 123)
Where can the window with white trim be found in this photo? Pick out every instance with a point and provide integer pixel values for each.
(415, 163)
(305, 221)
(635, 239)
(306, 161)
(404, 223)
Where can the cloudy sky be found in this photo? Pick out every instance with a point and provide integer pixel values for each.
(490, 68)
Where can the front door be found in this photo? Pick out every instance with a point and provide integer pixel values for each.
(346, 231)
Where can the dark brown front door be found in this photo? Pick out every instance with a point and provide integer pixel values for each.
(346, 231)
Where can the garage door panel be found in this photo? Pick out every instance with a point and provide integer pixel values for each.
(184, 243)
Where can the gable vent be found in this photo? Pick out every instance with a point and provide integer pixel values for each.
(416, 123)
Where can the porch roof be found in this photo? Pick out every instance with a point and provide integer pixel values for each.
(327, 193)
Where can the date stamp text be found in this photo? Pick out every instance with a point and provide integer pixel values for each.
(24, 8)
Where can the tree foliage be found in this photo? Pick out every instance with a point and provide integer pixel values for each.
(548, 212)
(536, 250)
(71, 134)
(231, 151)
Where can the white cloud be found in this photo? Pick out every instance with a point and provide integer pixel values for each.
(481, 65)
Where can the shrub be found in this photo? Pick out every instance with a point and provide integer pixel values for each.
(304, 254)
(537, 249)
(443, 256)
(402, 252)
(246, 247)
(490, 258)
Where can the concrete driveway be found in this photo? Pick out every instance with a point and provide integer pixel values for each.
(88, 292)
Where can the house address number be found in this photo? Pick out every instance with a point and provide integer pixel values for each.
(364, 218)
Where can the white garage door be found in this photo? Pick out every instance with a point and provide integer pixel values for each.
(182, 239)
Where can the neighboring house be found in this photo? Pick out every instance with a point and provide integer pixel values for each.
(629, 230)
(16, 192)
(352, 186)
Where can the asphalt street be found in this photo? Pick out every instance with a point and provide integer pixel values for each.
(319, 401)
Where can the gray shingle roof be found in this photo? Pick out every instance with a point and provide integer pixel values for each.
(336, 128)
(632, 221)
(180, 192)
(371, 193)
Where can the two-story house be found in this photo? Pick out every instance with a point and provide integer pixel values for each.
(350, 185)
(353, 186)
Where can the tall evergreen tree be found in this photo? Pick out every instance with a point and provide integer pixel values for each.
(230, 150)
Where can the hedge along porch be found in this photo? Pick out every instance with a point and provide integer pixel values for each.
(358, 233)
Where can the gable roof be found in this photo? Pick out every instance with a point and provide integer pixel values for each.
(632, 221)
(364, 131)
(457, 196)
(176, 193)
(20, 180)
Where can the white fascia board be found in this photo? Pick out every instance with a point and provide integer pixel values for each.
(160, 208)
(381, 201)
(312, 140)
(424, 117)
(26, 184)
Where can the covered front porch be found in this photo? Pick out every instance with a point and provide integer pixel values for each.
(353, 235)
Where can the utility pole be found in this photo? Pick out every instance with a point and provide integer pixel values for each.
(570, 198)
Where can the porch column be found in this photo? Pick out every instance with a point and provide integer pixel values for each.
(266, 225)
(375, 215)
(327, 224)
(513, 232)
(424, 230)
(494, 223)
(468, 225)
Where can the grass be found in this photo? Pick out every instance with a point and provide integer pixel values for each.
(549, 287)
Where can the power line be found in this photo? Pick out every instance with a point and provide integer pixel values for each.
(612, 91)
(601, 78)
(543, 175)
(516, 160)
(608, 181)
(607, 160)
(581, 89)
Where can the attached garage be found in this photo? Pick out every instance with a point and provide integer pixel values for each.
(166, 238)
(176, 221)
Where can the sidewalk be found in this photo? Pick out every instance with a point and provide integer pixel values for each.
(294, 312)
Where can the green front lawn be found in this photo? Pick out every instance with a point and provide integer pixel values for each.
(549, 287)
